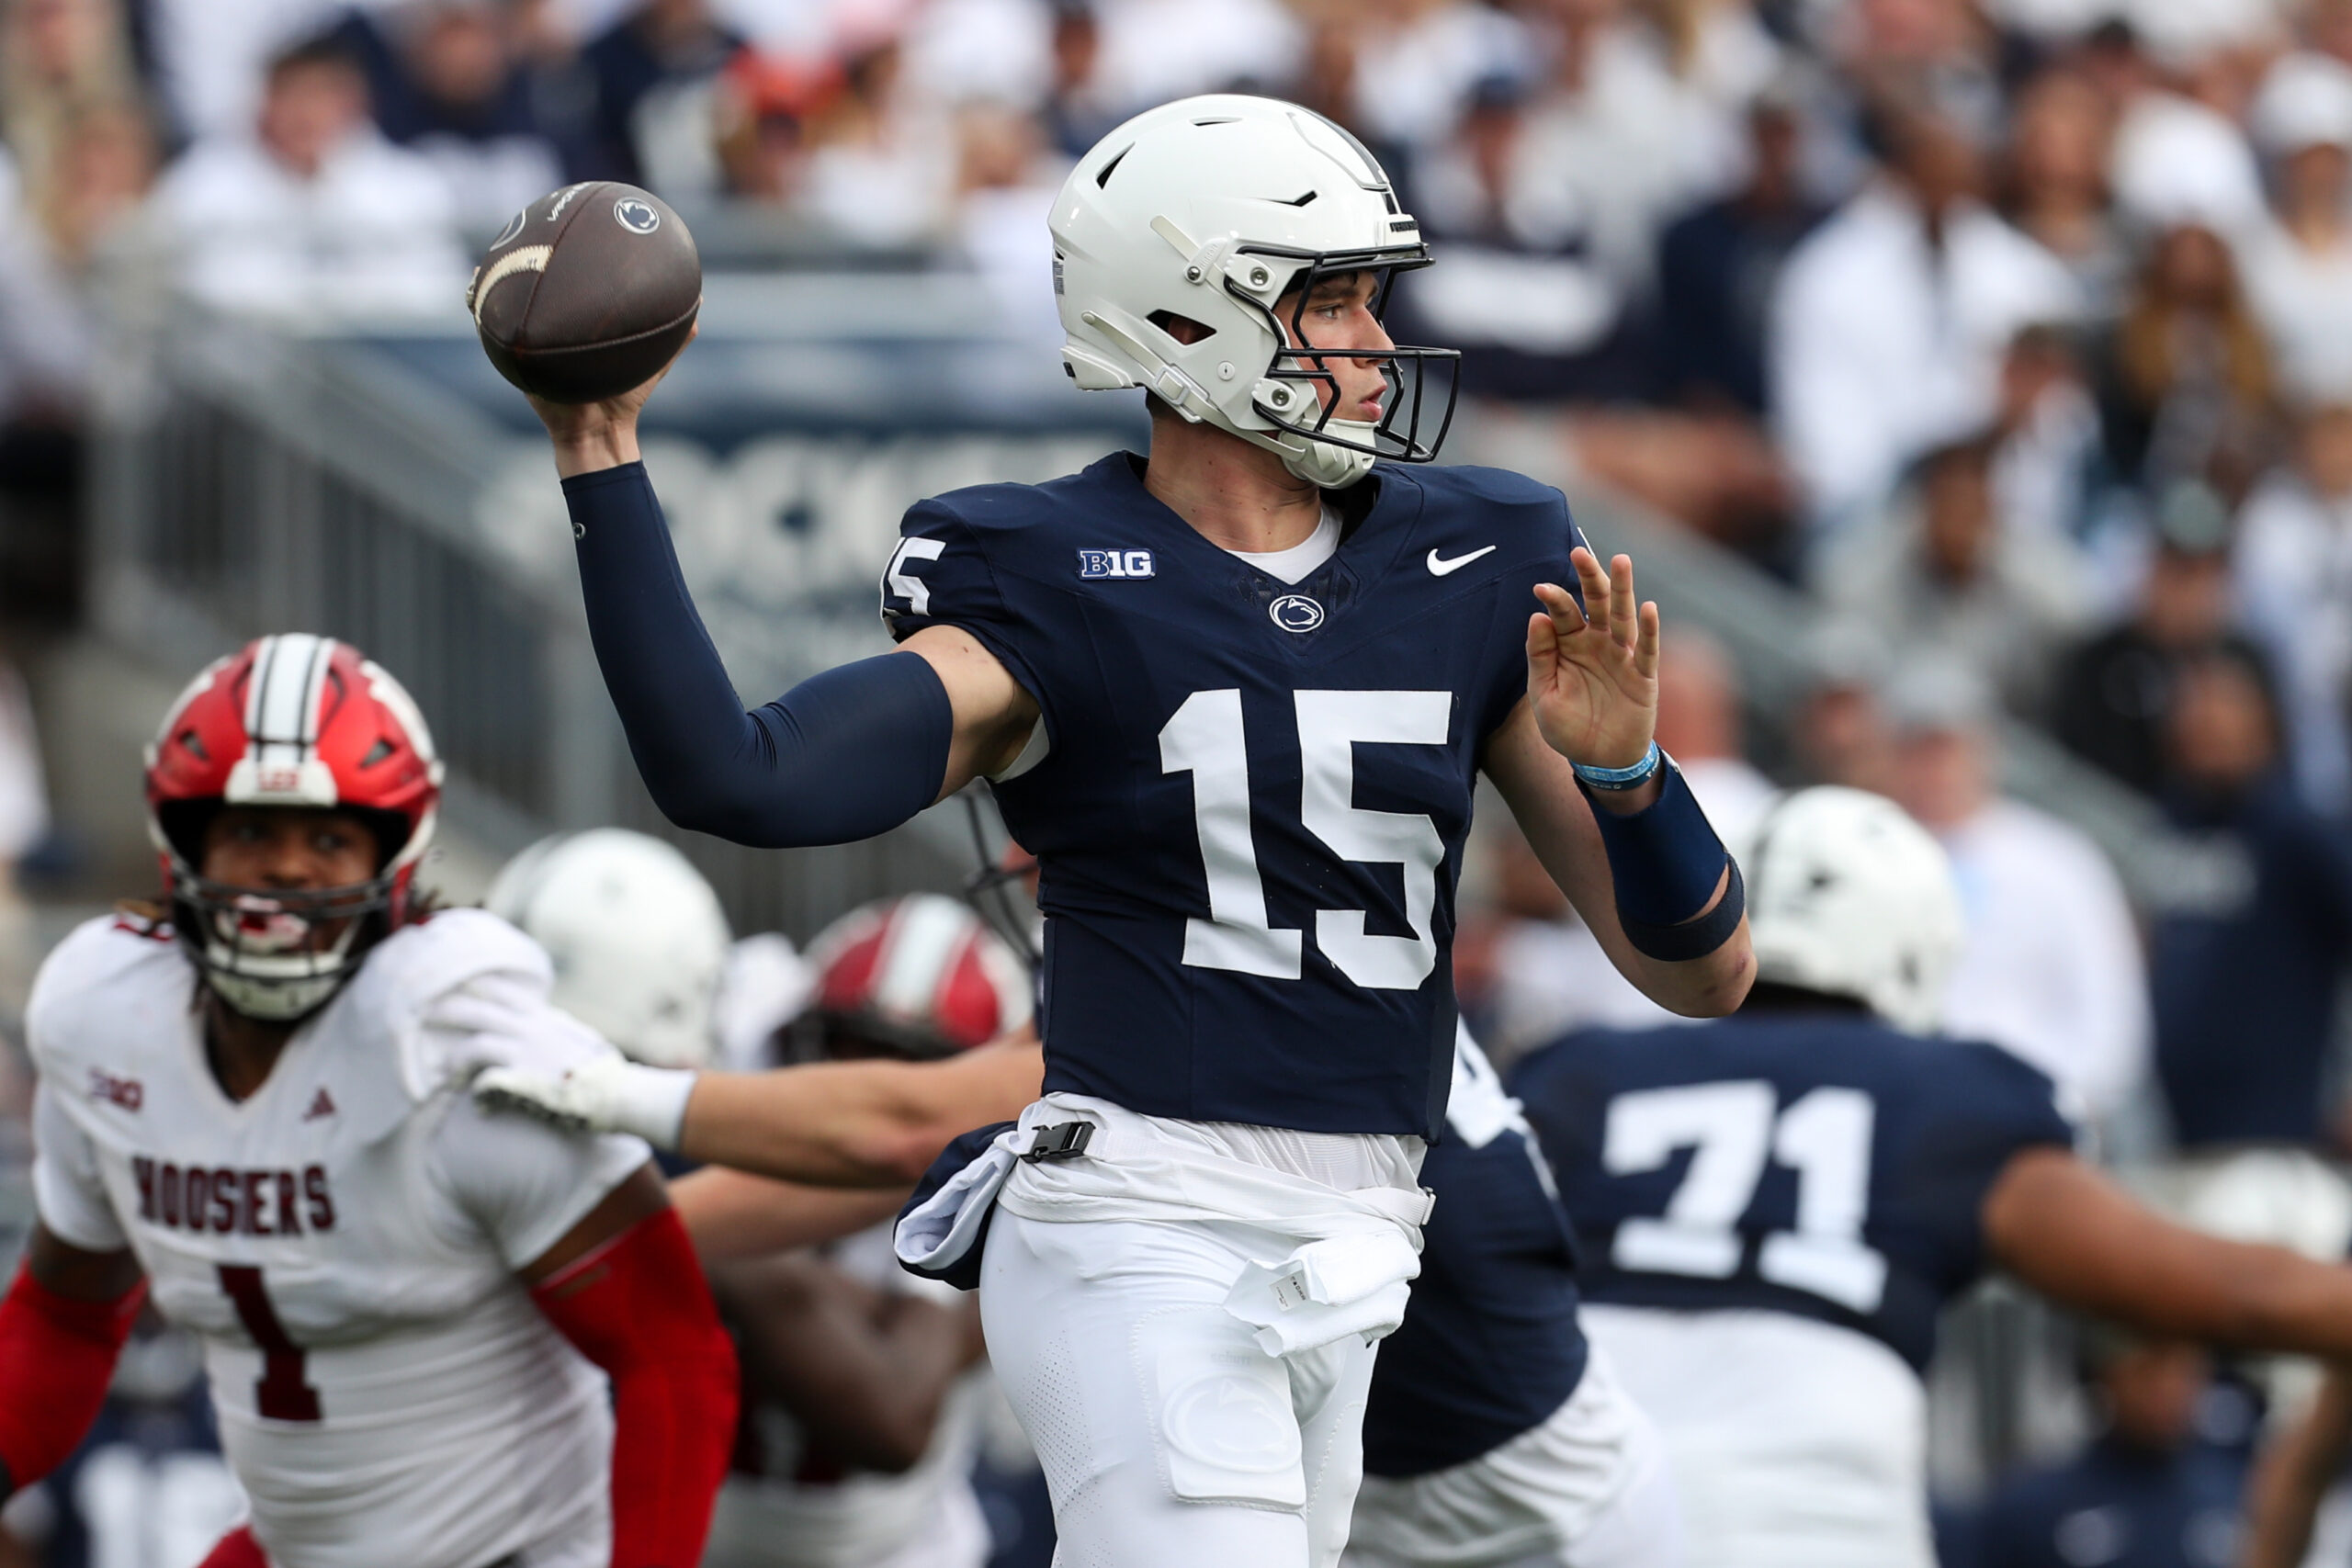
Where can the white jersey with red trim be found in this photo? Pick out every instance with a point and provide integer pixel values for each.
(344, 1241)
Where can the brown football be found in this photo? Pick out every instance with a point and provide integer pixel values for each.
(587, 292)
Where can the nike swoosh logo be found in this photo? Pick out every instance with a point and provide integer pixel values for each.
(1439, 566)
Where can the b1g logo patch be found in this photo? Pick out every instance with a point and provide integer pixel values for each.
(1295, 613)
(635, 215)
(1096, 565)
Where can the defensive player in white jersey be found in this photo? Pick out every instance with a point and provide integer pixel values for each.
(251, 1103)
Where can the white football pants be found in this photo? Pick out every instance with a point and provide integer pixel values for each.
(1170, 1439)
(1588, 1488)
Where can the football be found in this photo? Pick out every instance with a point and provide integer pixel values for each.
(587, 292)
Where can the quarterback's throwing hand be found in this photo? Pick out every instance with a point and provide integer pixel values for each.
(1592, 677)
(607, 1094)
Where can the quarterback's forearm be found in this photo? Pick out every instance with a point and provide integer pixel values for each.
(1563, 831)
(853, 1124)
(733, 1215)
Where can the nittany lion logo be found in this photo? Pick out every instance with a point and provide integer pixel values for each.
(637, 215)
(1295, 613)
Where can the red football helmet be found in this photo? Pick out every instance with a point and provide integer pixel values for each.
(294, 720)
(920, 977)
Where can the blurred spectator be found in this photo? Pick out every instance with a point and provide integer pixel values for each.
(2253, 923)
(2049, 465)
(1078, 110)
(1004, 195)
(1717, 266)
(876, 176)
(316, 212)
(1157, 50)
(765, 109)
(1888, 323)
(64, 63)
(447, 79)
(1699, 725)
(2113, 696)
(651, 75)
(2180, 160)
(106, 165)
(2294, 564)
(2054, 184)
(2188, 392)
(1542, 243)
(209, 58)
(1530, 968)
(2147, 1493)
(2299, 265)
(2051, 968)
(1418, 62)
(1840, 728)
(1947, 577)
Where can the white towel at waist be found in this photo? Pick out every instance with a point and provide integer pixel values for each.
(1354, 1251)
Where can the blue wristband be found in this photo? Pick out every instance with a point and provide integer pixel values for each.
(1635, 777)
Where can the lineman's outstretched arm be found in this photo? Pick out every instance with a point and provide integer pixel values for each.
(863, 1371)
(731, 1214)
(2291, 1478)
(832, 1123)
(844, 755)
(1641, 865)
(2073, 1235)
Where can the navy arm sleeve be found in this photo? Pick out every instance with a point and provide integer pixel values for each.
(842, 756)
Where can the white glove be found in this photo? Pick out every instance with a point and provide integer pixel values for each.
(605, 1094)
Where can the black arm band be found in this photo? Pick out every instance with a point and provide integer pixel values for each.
(840, 757)
(1692, 938)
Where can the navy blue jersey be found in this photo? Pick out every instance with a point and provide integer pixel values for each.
(1490, 1346)
(1250, 820)
(1819, 1164)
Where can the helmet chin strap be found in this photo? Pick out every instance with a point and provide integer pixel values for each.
(1324, 464)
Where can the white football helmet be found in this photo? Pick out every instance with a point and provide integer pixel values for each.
(1848, 895)
(1214, 208)
(637, 935)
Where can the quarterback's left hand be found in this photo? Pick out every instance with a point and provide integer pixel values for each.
(1592, 677)
(605, 1094)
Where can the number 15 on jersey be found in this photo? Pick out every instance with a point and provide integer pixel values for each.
(1207, 739)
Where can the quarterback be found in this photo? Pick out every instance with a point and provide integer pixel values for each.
(251, 1102)
(1237, 697)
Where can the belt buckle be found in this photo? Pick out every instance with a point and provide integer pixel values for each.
(1063, 1140)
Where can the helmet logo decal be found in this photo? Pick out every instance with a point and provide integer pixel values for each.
(1295, 613)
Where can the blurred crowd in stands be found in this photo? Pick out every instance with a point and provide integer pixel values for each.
(2015, 335)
